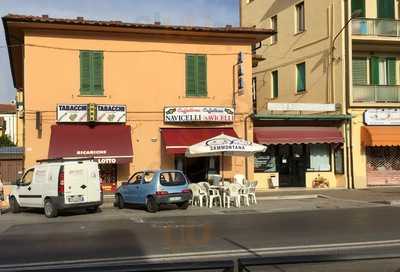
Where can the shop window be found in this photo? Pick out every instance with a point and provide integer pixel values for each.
(91, 73)
(339, 161)
(266, 161)
(196, 75)
(319, 157)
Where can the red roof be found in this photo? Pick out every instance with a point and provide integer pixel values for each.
(105, 142)
(8, 108)
(297, 135)
(177, 140)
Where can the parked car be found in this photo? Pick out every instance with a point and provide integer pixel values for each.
(154, 188)
(58, 185)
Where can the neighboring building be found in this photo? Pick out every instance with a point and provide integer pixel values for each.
(9, 113)
(365, 58)
(134, 96)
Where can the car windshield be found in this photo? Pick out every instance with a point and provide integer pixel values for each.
(172, 179)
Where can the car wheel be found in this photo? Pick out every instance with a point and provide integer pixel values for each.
(151, 205)
(15, 208)
(119, 201)
(49, 209)
(94, 209)
(183, 205)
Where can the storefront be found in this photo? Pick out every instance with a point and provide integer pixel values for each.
(380, 139)
(94, 131)
(193, 125)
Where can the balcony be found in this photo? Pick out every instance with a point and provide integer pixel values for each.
(376, 93)
(376, 27)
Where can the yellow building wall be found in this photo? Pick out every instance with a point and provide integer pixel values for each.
(144, 81)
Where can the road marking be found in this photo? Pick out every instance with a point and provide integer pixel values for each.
(203, 255)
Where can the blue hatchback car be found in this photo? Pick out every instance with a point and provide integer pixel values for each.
(153, 188)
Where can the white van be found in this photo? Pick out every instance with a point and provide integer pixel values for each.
(58, 185)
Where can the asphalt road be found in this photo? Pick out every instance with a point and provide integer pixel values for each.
(125, 238)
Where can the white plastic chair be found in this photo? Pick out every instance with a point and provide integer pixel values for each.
(198, 195)
(213, 194)
(232, 194)
(252, 192)
(239, 179)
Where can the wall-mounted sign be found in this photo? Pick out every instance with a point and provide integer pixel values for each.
(72, 113)
(382, 117)
(198, 114)
(80, 113)
(111, 113)
(300, 107)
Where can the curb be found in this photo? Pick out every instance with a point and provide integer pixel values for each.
(289, 197)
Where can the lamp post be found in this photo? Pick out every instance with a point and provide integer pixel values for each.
(354, 15)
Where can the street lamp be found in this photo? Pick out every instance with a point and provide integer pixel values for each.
(354, 15)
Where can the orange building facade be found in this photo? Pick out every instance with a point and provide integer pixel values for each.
(132, 96)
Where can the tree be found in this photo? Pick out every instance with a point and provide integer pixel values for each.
(5, 141)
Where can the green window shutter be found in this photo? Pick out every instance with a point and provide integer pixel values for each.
(190, 75)
(358, 5)
(360, 71)
(301, 77)
(374, 71)
(391, 71)
(275, 84)
(385, 9)
(97, 73)
(201, 76)
(84, 58)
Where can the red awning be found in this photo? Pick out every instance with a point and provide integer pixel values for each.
(297, 135)
(107, 143)
(177, 140)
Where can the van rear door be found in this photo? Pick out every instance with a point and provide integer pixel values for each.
(81, 182)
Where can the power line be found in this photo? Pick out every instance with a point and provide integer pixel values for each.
(115, 51)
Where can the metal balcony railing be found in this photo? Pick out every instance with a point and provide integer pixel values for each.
(376, 93)
(376, 27)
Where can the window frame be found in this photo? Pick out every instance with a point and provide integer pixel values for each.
(300, 91)
(275, 82)
(196, 77)
(274, 26)
(335, 151)
(300, 17)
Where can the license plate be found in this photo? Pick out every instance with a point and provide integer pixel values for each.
(175, 198)
(75, 199)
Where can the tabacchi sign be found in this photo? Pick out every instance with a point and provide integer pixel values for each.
(80, 113)
(198, 114)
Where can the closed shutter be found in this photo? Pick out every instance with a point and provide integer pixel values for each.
(360, 71)
(190, 75)
(301, 77)
(275, 84)
(385, 9)
(91, 73)
(97, 73)
(374, 63)
(84, 58)
(358, 5)
(391, 71)
(201, 76)
(196, 75)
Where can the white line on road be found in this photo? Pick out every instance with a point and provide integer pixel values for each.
(204, 255)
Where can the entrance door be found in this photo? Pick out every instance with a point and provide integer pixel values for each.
(197, 169)
(291, 165)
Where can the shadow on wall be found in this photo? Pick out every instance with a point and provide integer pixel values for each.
(276, 7)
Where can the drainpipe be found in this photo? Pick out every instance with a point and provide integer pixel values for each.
(246, 162)
(347, 97)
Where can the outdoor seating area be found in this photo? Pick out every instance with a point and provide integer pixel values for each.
(216, 192)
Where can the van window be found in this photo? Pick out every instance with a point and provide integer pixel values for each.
(27, 179)
(172, 179)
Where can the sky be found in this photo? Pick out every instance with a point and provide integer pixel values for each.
(181, 12)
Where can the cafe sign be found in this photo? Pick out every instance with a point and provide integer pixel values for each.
(198, 114)
(382, 117)
(82, 113)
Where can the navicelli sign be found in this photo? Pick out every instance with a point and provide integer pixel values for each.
(198, 114)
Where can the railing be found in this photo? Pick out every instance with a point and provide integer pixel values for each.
(376, 93)
(376, 27)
